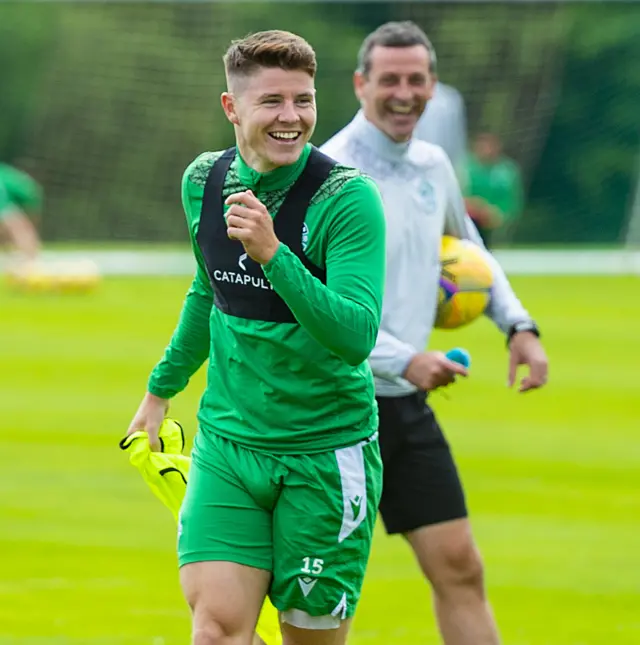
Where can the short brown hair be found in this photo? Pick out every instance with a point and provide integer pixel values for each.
(395, 34)
(273, 48)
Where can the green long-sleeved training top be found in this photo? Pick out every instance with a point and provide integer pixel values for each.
(287, 388)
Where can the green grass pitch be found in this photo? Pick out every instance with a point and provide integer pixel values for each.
(87, 554)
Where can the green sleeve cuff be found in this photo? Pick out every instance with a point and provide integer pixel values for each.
(273, 264)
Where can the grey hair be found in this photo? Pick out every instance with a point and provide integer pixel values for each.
(395, 34)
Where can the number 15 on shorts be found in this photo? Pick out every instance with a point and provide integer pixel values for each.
(312, 566)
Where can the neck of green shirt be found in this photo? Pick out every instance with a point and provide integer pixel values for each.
(276, 179)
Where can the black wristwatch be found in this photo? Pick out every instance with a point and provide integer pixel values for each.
(523, 325)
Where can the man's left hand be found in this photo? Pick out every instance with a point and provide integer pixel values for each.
(526, 349)
(248, 220)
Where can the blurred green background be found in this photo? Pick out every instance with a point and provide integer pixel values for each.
(107, 102)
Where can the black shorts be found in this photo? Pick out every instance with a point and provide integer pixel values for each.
(421, 485)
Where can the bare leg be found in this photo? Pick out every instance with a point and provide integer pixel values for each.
(225, 600)
(22, 233)
(450, 560)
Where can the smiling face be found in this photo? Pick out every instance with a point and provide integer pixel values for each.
(395, 89)
(274, 114)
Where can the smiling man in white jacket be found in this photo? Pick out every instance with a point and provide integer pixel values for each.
(423, 498)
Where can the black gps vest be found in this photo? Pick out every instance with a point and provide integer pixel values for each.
(240, 287)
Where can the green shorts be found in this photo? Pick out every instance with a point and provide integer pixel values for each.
(308, 519)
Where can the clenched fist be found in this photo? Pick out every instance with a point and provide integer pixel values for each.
(431, 370)
(248, 220)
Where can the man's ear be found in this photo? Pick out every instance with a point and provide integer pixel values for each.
(228, 102)
(359, 81)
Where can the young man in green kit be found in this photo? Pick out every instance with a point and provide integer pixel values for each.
(493, 187)
(286, 303)
(20, 197)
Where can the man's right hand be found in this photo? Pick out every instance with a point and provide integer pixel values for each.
(149, 418)
(431, 370)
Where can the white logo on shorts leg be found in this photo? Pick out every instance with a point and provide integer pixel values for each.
(341, 607)
(307, 584)
(356, 505)
(353, 480)
(241, 260)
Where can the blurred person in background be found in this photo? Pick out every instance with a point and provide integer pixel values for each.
(444, 123)
(492, 185)
(20, 201)
(422, 496)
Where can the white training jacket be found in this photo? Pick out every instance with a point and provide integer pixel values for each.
(422, 201)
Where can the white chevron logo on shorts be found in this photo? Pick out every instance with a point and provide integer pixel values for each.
(241, 260)
(307, 584)
(341, 608)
